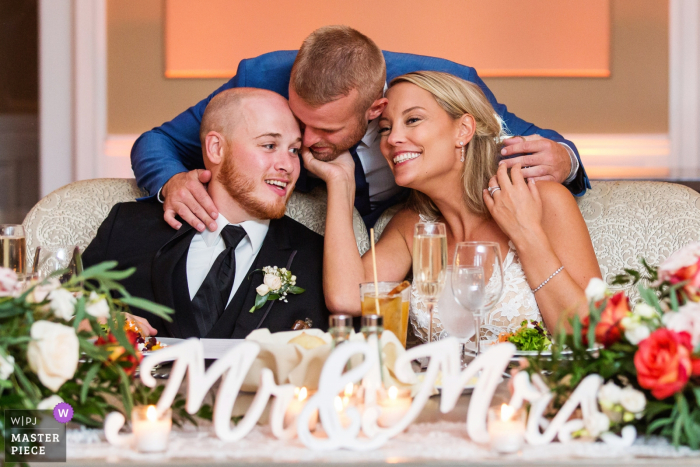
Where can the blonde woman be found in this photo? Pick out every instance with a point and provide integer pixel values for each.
(440, 135)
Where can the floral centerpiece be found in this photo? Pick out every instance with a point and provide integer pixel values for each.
(68, 343)
(648, 353)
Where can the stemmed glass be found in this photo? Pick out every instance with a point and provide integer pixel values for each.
(477, 280)
(429, 264)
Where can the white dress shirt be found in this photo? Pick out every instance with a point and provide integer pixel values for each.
(206, 247)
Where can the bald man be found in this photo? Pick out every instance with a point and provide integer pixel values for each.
(250, 142)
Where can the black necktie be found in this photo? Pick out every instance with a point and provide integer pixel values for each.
(210, 300)
(362, 202)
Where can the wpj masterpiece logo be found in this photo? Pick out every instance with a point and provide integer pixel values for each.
(37, 435)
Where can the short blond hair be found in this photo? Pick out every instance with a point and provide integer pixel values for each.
(459, 97)
(333, 61)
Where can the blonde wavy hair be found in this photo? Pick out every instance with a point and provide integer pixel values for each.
(458, 97)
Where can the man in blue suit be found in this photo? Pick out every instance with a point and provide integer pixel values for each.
(335, 85)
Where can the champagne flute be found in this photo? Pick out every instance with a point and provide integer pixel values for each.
(477, 280)
(13, 248)
(429, 264)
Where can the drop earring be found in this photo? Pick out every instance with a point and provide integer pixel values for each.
(461, 143)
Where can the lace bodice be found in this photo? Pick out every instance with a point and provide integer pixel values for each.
(517, 303)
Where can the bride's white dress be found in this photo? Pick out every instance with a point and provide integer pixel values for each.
(517, 304)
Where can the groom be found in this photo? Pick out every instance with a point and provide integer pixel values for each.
(250, 141)
(335, 86)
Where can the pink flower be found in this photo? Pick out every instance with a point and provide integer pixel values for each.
(686, 319)
(684, 265)
(8, 282)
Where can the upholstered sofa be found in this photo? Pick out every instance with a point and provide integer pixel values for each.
(626, 220)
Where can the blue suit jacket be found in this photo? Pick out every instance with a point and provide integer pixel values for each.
(174, 146)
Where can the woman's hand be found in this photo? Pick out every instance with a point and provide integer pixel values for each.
(516, 207)
(342, 168)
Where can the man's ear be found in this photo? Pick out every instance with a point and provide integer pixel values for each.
(376, 109)
(214, 148)
(465, 129)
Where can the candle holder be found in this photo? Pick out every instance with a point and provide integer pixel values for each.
(506, 427)
(151, 432)
(393, 405)
(301, 397)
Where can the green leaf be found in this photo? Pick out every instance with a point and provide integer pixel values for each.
(296, 290)
(94, 271)
(260, 300)
(89, 377)
(159, 310)
(79, 312)
(576, 326)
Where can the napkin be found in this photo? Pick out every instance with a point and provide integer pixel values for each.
(293, 364)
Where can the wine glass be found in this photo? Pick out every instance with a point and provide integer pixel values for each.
(477, 280)
(429, 265)
(52, 260)
(454, 318)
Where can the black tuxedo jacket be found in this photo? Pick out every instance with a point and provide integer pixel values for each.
(135, 235)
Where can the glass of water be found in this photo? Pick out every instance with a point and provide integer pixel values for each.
(477, 280)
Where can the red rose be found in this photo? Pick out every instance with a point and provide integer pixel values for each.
(609, 330)
(119, 353)
(663, 362)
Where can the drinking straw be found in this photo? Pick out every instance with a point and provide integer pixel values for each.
(374, 267)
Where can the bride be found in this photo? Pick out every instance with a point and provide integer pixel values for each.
(440, 137)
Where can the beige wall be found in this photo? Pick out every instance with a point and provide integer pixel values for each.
(633, 100)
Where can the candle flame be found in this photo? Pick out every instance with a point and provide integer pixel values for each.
(348, 390)
(151, 413)
(338, 404)
(302, 394)
(393, 392)
(507, 412)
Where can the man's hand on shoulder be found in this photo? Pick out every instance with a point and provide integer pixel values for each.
(542, 159)
(185, 195)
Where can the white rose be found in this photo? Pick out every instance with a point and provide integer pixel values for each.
(262, 289)
(8, 282)
(632, 400)
(645, 311)
(686, 319)
(49, 403)
(7, 366)
(97, 306)
(609, 394)
(596, 424)
(41, 291)
(273, 281)
(596, 290)
(62, 303)
(637, 334)
(53, 353)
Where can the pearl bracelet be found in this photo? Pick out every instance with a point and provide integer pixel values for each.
(548, 279)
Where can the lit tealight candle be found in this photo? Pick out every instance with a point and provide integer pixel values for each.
(506, 428)
(151, 432)
(295, 406)
(394, 406)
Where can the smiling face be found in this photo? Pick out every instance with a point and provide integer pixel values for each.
(418, 138)
(261, 157)
(331, 128)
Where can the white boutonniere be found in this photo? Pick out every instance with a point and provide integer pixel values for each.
(277, 283)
